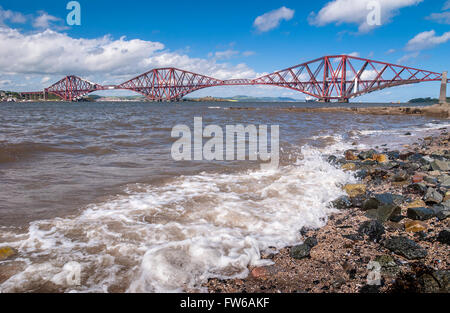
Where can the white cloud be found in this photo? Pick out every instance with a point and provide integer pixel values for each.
(11, 16)
(446, 5)
(408, 57)
(354, 54)
(224, 55)
(248, 53)
(51, 53)
(391, 51)
(45, 79)
(272, 19)
(44, 21)
(427, 40)
(5, 82)
(357, 11)
(443, 18)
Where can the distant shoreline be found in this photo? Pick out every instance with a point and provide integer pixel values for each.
(436, 110)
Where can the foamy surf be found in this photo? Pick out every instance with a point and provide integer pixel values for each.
(174, 237)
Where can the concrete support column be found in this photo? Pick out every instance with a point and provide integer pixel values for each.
(443, 96)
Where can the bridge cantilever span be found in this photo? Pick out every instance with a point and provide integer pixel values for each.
(339, 77)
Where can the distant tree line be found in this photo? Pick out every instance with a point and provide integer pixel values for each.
(426, 100)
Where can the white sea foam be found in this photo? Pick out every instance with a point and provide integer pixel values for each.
(174, 237)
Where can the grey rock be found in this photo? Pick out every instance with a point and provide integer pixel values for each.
(418, 189)
(383, 207)
(406, 248)
(433, 196)
(361, 174)
(311, 242)
(393, 155)
(388, 265)
(439, 165)
(442, 211)
(354, 237)
(374, 229)
(342, 203)
(300, 252)
(444, 181)
(420, 214)
(332, 159)
(431, 180)
(444, 237)
(388, 212)
(367, 154)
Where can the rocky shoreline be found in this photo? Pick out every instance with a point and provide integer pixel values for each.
(389, 235)
(441, 111)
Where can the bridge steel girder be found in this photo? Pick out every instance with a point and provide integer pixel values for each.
(338, 77)
(72, 88)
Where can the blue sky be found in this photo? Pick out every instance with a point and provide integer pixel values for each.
(223, 39)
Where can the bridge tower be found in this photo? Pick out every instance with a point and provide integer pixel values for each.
(443, 95)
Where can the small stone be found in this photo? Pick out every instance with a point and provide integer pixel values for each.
(349, 167)
(332, 159)
(418, 188)
(350, 156)
(342, 203)
(439, 165)
(311, 242)
(400, 177)
(381, 158)
(431, 180)
(388, 266)
(444, 181)
(301, 252)
(259, 272)
(406, 248)
(433, 196)
(365, 155)
(369, 162)
(444, 237)
(374, 229)
(420, 214)
(415, 226)
(354, 237)
(417, 178)
(354, 190)
(362, 174)
(7, 253)
(416, 204)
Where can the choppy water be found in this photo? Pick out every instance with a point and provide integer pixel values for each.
(94, 183)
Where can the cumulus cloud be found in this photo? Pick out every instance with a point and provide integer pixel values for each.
(11, 16)
(443, 18)
(408, 57)
(446, 5)
(53, 54)
(45, 20)
(272, 19)
(248, 53)
(357, 12)
(427, 40)
(224, 55)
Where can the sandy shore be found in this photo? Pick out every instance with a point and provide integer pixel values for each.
(397, 217)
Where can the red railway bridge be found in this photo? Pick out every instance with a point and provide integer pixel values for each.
(330, 78)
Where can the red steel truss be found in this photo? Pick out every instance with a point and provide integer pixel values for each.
(168, 84)
(339, 77)
(73, 88)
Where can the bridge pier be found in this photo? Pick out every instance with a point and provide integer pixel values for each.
(443, 95)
